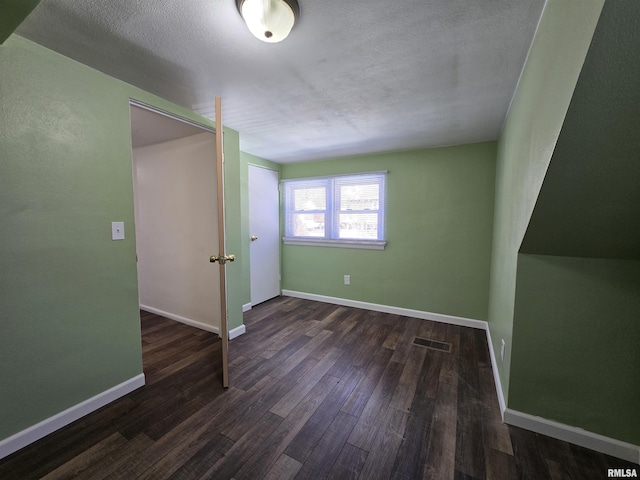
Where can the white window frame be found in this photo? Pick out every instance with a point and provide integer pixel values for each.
(332, 212)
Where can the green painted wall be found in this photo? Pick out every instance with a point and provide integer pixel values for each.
(526, 145)
(439, 225)
(12, 14)
(575, 343)
(68, 293)
(576, 323)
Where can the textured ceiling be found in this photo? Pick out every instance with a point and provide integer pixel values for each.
(354, 77)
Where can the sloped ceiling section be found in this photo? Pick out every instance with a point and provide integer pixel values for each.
(589, 204)
(12, 13)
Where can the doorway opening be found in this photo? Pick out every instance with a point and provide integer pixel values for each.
(175, 188)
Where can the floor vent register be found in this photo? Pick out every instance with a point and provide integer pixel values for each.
(433, 344)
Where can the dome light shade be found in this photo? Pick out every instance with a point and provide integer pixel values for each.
(269, 20)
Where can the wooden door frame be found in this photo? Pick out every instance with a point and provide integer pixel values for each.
(224, 329)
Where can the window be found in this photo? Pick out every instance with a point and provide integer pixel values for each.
(341, 211)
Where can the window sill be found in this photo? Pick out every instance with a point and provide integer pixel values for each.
(323, 242)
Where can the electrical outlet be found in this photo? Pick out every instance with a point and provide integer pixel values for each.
(347, 279)
(502, 346)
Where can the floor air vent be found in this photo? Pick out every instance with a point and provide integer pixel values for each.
(433, 344)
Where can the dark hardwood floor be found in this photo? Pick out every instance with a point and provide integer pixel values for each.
(317, 391)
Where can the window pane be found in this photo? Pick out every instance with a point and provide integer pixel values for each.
(310, 199)
(360, 197)
(308, 224)
(359, 225)
(349, 207)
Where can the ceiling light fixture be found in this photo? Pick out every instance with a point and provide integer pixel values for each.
(269, 20)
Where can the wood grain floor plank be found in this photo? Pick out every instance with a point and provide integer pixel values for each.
(267, 367)
(239, 372)
(449, 366)
(54, 450)
(529, 462)
(285, 338)
(392, 340)
(285, 468)
(406, 389)
(349, 463)
(405, 344)
(334, 341)
(263, 399)
(261, 461)
(424, 329)
(172, 418)
(482, 349)
(80, 463)
(102, 470)
(412, 456)
(247, 447)
(384, 448)
(366, 429)
(377, 336)
(433, 364)
(332, 374)
(183, 441)
(153, 404)
(440, 461)
(344, 363)
(169, 337)
(469, 430)
(165, 354)
(332, 317)
(305, 385)
(311, 433)
(319, 463)
(210, 453)
(495, 433)
(499, 465)
(360, 395)
(203, 351)
(285, 365)
(556, 453)
(273, 333)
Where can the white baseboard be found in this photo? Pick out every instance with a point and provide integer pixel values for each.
(236, 332)
(577, 436)
(246, 307)
(496, 375)
(36, 432)
(178, 318)
(436, 317)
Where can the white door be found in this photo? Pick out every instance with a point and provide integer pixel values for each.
(264, 229)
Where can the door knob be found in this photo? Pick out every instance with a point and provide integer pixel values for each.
(222, 259)
(253, 238)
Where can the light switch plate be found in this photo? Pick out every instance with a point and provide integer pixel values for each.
(117, 230)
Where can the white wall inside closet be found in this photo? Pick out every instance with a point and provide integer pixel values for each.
(176, 229)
